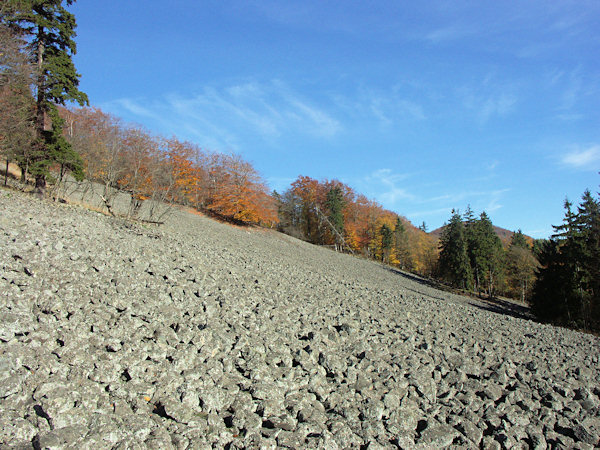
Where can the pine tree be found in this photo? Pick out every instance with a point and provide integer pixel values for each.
(387, 240)
(487, 255)
(401, 244)
(335, 206)
(470, 222)
(453, 263)
(568, 287)
(51, 29)
(518, 240)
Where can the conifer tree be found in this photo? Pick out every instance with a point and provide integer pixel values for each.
(470, 222)
(50, 29)
(568, 287)
(453, 263)
(387, 240)
(518, 240)
(335, 205)
(488, 255)
(401, 244)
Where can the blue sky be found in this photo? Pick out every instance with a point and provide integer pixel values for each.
(422, 106)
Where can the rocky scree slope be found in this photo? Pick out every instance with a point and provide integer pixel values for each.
(195, 333)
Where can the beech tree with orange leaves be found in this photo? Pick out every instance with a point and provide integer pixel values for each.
(238, 192)
(164, 171)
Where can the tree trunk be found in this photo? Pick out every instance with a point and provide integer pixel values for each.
(40, 186)
(40, 121)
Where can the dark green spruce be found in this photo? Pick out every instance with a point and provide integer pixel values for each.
(567, 291)
(453, 263)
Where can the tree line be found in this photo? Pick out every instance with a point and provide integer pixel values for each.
(48, 141)
(331, 213)
(473, 258)
(126, 158)
(559, 277)
(567, 291)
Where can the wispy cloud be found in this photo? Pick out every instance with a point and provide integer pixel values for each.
(387, 186)
(448, 33)
(583, 158)
(487, 105)
(225, 116)
(494, 199)
(385, 107)
(572, 90)
(135, 108)
(429, 212)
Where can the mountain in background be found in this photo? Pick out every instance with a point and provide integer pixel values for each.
(504, 234)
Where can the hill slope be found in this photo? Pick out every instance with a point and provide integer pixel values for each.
(504, 234)
(197, 333)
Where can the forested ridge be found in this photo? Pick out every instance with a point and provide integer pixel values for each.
(51, 140)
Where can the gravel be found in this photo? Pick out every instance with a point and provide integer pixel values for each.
(195, 334)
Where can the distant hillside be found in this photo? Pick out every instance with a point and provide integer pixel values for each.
(502, 233)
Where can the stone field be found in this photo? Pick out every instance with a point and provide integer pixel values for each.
(197, 334)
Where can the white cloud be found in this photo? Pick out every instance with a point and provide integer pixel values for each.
(134, 107)
(385, 107)
(222, 117)
(449, 33)
(385, 186)
(588, 158)
(486, 106)
(488, 98)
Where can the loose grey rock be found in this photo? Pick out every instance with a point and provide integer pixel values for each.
(196, 334)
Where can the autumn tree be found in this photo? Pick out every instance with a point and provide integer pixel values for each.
(239, 193)
(99, 138)
(311, 194)
(140, 159)
(424, 252)
(520, 265)
(17, 114)
(289, 209)
(50, 29)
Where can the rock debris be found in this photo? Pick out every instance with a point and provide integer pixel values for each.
(197, 334)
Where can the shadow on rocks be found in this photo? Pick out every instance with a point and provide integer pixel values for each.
(506, 307)
(496, 305)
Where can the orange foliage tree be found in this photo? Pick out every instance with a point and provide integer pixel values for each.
(128, 158)
(238, 193)
(367, 226)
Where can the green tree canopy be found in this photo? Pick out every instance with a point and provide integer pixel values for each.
(335, 206)
(453, 261)
(50, 30)
(488, 255)
(568, 287)
(518, 240)
(387, 241)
